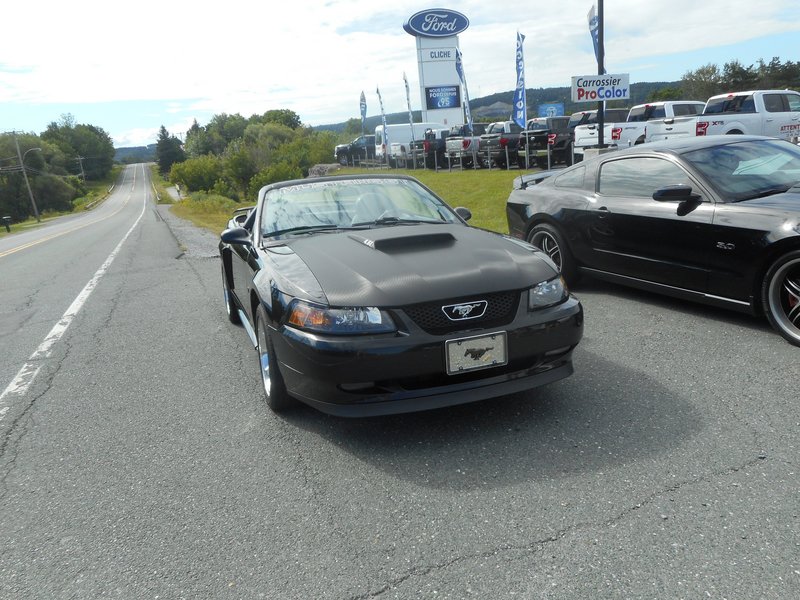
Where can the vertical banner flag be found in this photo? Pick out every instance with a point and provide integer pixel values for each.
(520, 114)
(408, 103)
(383, 122)
(594, 31)
(363, 107)
(462, 77)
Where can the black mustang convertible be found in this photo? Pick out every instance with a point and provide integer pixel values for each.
(368, 295)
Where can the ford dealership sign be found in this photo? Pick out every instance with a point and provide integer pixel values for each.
(436, 22)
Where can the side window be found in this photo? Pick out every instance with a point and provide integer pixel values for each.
(748, 105)
(793, 100)
(639, 177)
(774, 103)
(571, 179)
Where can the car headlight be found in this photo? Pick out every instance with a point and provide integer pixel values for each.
(547, 293)
(354, 320)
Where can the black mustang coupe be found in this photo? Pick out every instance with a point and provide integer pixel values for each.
(368, 295)
(714, 219)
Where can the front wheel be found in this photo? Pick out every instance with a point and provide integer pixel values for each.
(780, 294)
(275, 392)
(550, 241)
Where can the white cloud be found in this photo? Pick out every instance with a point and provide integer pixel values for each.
(316, 57)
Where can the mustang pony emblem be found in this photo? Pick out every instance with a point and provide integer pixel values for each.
(477, 353)
(469, 310)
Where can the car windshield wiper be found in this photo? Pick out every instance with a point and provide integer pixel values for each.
(305, 229)
(778, 189)
(398, 221)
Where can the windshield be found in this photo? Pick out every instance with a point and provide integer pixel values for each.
(749, 169)
(346, 203)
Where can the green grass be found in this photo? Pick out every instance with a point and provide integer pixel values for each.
(161, 185)
(482, 191)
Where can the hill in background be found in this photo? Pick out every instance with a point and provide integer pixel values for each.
(498, 106)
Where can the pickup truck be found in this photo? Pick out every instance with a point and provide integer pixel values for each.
(633, 131)
(463, 147)
(585, 130)
(543, 135)
(499, 143)
(430, 151)
(774, 113)
(361, 148)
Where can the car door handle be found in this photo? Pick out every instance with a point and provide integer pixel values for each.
(603, 212)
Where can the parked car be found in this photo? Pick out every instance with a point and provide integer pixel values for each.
(710, 219)
(774, 113)
(499, 143)
(585, 131)
(464, 146)
(394, 144)
(361, 148)
(543, 136)
(368, 294)
(430, 152)
(633, 130)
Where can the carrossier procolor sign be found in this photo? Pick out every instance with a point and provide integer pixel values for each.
(597, 88)
(436, 22)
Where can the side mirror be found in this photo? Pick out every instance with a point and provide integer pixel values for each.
(464, 212)
(237, 235)
(675, 193)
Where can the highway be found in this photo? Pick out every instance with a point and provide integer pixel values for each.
(138, 459)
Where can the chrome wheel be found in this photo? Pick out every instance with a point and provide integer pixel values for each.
(550, 241)
(545, 241)
(271, 380)
(781, 297)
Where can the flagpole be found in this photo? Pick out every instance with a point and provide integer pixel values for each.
(601, 70)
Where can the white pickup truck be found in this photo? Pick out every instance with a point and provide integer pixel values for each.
(585, 133)
(633, 131)
(775, 113)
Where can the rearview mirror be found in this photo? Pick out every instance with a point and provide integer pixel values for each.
(463, 212)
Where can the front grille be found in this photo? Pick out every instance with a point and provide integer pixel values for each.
(500, 310)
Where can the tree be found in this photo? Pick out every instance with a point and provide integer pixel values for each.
(88, 149)
(284, 116)
(168, 151)
(196, 174)
(702, 83)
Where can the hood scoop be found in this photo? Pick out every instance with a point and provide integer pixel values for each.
(399, 243)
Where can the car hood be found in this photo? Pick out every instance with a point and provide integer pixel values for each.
(408, 264)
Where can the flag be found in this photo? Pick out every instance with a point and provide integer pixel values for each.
(594, 31)
(408, 102)
(363, 107)
(463, 78)
(383, 122)
(520, 114)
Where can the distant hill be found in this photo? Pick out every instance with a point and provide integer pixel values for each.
(498, 106)
(135, 154)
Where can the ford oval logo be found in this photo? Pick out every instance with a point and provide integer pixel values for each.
(436, 22)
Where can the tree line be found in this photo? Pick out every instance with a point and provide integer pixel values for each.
(234, 156)
(57, 163)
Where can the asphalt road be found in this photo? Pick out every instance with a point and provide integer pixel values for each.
(141, 461)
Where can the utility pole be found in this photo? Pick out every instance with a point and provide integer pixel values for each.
(80, 161)
(27, 183)
(601, 70)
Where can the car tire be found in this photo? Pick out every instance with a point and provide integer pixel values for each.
(343, 160)
(568, 155)
(550, 241)
(780, 296)
(521, 163)
(272, 382)
(230, 305)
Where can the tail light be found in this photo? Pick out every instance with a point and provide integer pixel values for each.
(616, 133)
(701, 127)
(464, 144)
(551, 139)
(504, 142)
(426, 146)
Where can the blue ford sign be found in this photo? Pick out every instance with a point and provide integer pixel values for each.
(436, 22)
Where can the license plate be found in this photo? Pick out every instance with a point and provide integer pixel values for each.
(478, 352)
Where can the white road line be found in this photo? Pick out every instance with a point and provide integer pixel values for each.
(24, 378)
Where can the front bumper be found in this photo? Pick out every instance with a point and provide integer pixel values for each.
(357, 376)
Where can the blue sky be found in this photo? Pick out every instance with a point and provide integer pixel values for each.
(169, 63)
